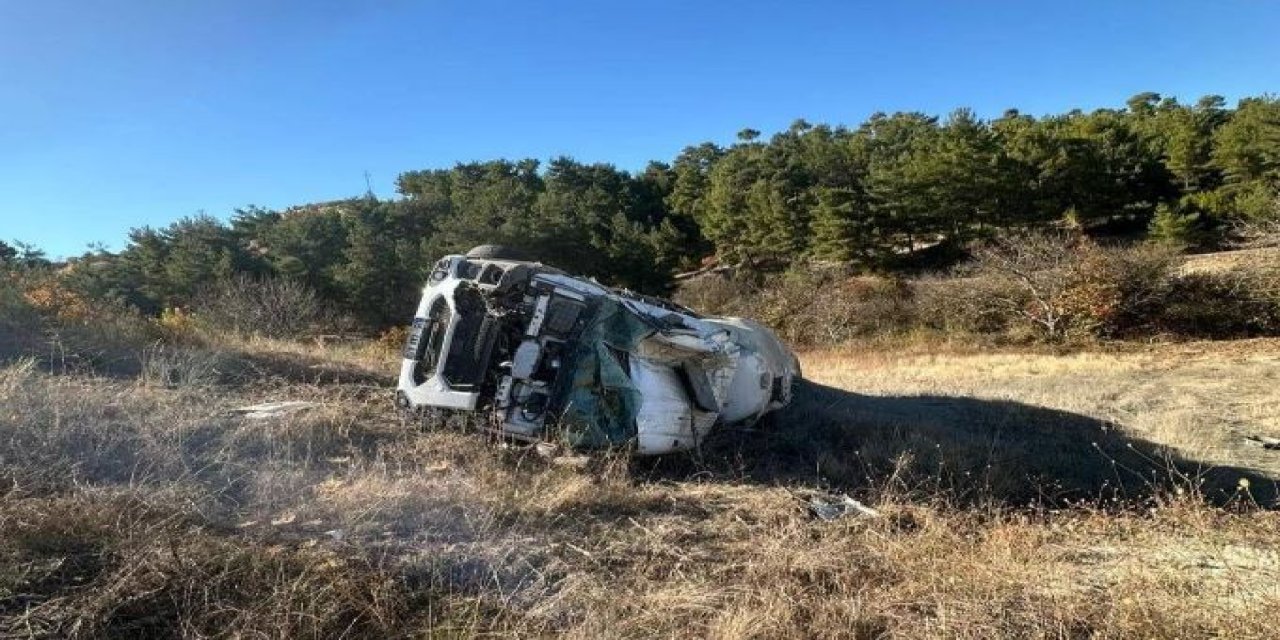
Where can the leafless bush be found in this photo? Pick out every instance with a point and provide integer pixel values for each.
(810, 307)
(714, 293)
(268, 307)
(1226, 304)
(958, 305)
(1121, 292)
(1254, 233)
(854, 308)
(1028, 277)
(1057, 286)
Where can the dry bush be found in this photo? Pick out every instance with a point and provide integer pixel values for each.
(1227, 304)
(716, 294)
(16, 311)
(813, 310)
(1258, 233)
(1026, 279)
(268, 307)
(21, 326)
(1056, 287)
(40, 317)
(959, 305)
(809, 307)
(1020, 288)
(1119, 292)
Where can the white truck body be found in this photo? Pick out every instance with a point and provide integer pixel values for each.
(550, 356)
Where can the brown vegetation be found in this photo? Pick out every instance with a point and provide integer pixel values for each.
(1021, 494)
(1019, 289)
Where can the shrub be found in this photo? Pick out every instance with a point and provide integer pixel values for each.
(1025, 278)
(1118, 292)
(1056, 287)
(170, 366)
(810, 308)
(1256, 201)
(716, 294)
(51, 298)
(268, 307)
(866, 306)
(1226, 304)
(20, 325)
(41, 316)
(1257, 233)
(960, 304)
(1045, 287)
(16, 311)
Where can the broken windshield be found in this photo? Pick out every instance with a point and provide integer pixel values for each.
(472, 342)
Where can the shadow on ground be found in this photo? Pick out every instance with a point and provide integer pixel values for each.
(970, 449)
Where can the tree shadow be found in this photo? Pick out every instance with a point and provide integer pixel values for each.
(968, 449)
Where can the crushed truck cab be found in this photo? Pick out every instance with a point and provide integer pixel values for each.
(549, 356)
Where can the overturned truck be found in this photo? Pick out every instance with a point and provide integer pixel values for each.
(544, 355)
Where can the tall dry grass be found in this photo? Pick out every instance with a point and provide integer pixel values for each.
(136, 506)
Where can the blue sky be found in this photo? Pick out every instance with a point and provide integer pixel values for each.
(118, 114)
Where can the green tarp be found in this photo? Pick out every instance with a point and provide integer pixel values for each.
(600, 401)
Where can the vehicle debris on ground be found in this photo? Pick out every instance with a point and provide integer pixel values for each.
(274, 409)
(834, 507)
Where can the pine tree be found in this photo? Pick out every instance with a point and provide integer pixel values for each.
(836, 235)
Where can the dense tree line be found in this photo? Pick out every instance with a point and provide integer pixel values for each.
(898, 182)
(879, 197)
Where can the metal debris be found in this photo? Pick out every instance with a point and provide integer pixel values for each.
(274, 409)
(1266, 442)
(833, 507)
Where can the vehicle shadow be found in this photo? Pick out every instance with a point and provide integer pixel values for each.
(968, 449)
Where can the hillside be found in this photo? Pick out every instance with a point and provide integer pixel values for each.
(1020, 493)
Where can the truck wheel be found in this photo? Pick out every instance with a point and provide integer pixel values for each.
(496, 252)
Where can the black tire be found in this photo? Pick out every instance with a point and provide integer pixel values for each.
(495, 252)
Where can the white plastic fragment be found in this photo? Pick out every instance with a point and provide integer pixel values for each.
(1266, 442)
(835, 507)
(274, 409)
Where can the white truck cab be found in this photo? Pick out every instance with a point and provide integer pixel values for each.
(549, 356)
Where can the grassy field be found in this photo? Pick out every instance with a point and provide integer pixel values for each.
(1021, 493)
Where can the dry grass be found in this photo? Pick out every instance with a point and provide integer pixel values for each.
(1259, 259)
(137, 507)
(1200, 398)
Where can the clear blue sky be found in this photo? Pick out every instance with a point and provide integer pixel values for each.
(116, 114)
